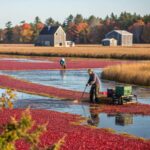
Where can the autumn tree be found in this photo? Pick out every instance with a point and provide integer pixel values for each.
(146, 33)
(80, 29)
(97, 33)
(93, 29)
(137, 30)
(37, 26)
(77, 29)
(26, 33)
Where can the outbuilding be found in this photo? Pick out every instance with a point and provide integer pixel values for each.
(123, 37)
(51, 36)
(109, 42)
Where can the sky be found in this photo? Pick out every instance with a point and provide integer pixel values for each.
(19, 10)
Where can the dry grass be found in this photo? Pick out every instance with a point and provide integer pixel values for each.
(137, 73)
(137, 52)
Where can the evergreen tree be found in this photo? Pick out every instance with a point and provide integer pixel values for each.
(1, 36)
(69, 19)
(9, 33)
(37, 20)
(78, 19)
(113, 17)
(93, 21)
(146, 19)
(50, 21)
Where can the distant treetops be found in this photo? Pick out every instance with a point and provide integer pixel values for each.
(81, 30)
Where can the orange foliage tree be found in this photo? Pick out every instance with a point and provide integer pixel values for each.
(78, 32)
(26, 33)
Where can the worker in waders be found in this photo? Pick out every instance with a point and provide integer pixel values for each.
(63, 63)
(94, 82)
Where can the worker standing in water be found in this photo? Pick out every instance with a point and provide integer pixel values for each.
(94, 82)
(63, 63)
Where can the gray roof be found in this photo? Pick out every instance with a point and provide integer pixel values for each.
(49, 30)
(122, 32)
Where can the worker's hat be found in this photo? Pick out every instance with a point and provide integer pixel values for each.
(63, 59)
(90, 70)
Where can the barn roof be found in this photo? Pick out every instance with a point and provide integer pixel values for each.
(122, 32)
(49, 30)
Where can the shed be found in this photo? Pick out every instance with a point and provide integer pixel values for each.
(109, 42)
(51, 36)
(123, 37)
(70, 44)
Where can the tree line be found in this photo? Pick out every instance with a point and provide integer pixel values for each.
(81, 30)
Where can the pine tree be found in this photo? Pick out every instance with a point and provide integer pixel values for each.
(9, 33)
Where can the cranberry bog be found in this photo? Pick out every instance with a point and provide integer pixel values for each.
(49, 91)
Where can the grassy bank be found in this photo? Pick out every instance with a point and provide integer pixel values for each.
(138, 73)
(137, 52)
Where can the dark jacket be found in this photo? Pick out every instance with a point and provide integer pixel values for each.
(62, 62)
(94, 80)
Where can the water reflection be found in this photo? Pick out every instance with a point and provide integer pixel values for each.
(63, 74)
(124, 119)
(121, 119)
(94, 119)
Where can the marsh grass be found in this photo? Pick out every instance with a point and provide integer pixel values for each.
(137, 73)
(137, 52)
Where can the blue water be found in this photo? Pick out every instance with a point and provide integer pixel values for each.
(26, 60)
(75, 80)
(137, 125)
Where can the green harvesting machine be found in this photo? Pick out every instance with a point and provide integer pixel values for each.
(121, 95)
